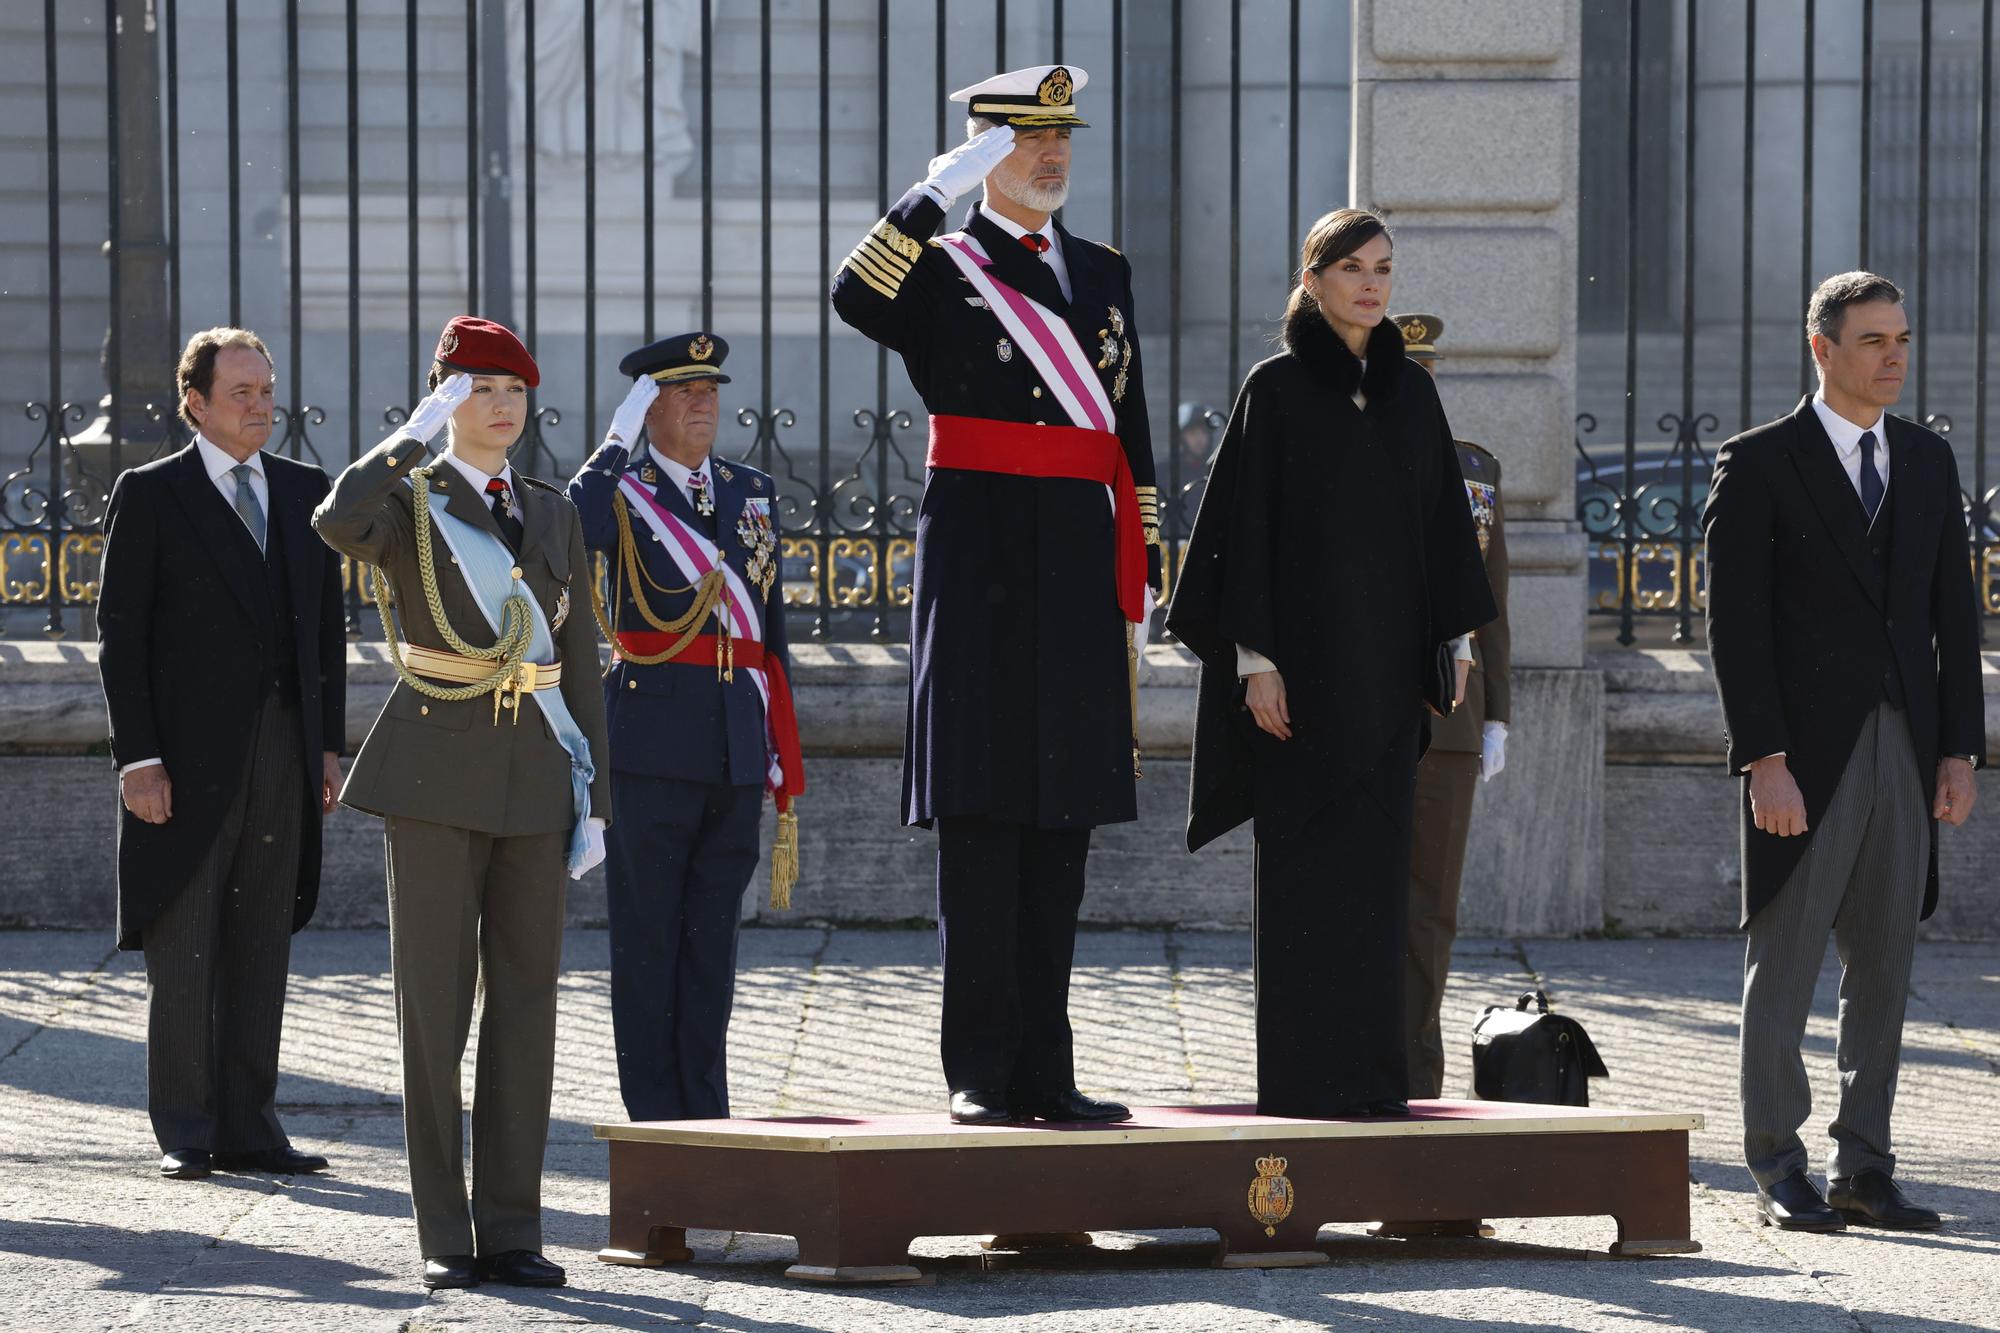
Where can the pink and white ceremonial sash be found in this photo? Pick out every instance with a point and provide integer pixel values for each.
(695, 555)
(1045, 336)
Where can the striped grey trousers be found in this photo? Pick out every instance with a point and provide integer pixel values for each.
(217, 957)
(1862, 877)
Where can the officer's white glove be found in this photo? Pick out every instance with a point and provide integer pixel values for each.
(1492, 750)
(630, 417)
(966, 167)
(593, 847)
(427, 418)
(1143, 628)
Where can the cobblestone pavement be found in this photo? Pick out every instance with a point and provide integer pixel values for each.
(845, 1021)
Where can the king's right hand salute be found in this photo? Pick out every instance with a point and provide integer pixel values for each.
(1022, 341)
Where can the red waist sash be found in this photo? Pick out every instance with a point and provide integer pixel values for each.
(979, 444)
(702, 650)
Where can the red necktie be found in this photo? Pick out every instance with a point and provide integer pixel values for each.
(1037, 242)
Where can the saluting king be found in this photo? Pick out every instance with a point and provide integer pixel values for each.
(1037, 565)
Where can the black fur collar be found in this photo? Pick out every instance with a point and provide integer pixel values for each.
(1312, 340)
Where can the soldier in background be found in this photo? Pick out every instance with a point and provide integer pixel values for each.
(1467, 747)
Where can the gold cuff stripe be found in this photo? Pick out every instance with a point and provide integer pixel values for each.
(896, 241)
(889, 260)
(887, 290)
(862, 262)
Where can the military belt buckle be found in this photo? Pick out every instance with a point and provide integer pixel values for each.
(507, 694)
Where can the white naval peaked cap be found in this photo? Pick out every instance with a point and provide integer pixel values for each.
(1037, 97)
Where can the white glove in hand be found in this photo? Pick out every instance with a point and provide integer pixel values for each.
(965, 167)
(427, 418)
(1141, 630)
(630, 417)
(593, 847)
(1492, 750)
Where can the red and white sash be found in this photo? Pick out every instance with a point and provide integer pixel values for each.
(695, 555)
(1045, 336)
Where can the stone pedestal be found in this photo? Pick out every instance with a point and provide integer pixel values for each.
(1465, 139)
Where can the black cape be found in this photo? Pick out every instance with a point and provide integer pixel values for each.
(1335, 541)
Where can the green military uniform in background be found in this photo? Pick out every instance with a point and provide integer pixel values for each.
(1449, 773)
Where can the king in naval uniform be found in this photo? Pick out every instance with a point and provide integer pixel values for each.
(1032, 588)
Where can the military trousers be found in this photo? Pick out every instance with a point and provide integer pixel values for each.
(677, 863)
(217, 958)
(1008, 896)
(1862, 878)
(1446, 781)
(468, 907)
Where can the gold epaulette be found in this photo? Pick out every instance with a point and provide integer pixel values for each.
(884, 258)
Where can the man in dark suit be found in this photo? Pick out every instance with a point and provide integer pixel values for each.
(219, 630)
(1029, 583)
(1845, 640)
(700, 719)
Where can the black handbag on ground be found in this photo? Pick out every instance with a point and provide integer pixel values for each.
(1538, 1056)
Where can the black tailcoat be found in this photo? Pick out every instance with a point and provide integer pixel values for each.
(1335, 541)
(1806, 621)
(184, 620)
(1020, 700)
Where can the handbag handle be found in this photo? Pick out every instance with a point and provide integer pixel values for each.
(1540, 1000)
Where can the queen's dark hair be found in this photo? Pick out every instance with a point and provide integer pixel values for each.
(1333, 237)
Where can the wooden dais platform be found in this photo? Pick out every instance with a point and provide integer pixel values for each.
(856, 1192)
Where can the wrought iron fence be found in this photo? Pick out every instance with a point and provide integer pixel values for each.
(1881, 159)
(429, 167)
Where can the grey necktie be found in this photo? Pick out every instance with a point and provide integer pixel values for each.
(247, 507)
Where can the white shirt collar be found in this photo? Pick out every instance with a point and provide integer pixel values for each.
(679, 473)
(1017, 231)
(477, 478)
(1846, 436)
(218, 463)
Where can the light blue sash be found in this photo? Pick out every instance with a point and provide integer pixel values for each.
(488, 567)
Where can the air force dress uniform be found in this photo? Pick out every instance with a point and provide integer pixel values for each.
(1024, 349)
(701, 727)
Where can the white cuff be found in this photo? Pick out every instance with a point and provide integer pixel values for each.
(1250, 662)
(143, 763)
(944, 200)
(1461, 648)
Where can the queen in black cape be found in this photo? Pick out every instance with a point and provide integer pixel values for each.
(1334, 544)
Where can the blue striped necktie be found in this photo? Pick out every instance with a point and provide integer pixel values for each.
(247, 507)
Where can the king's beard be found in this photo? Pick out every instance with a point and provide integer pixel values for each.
(1040, 198)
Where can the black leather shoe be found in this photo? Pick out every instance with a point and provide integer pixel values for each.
(521, 1268)
(450, 1270)
(1871, 1199)
(1072, 1107)
(973, 1107)
(186, 1164)
(1793, 1204)
(1390, 1109)
(285, 1161)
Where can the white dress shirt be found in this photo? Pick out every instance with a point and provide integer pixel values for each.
(220, 468)
(1846, 437)
(681, 475)
(1053, 256)
(479, 479)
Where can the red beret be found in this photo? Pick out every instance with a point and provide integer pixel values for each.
(481, 347)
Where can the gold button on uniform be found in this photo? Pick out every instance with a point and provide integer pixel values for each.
(425, 709)
(514, 573)
(392, 460)
(1038, 391)
(631, 684)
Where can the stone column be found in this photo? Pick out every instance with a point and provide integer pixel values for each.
(1465, 138)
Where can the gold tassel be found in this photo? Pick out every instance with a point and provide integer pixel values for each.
(785, 860)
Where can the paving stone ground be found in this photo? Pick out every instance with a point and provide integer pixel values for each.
(845, 1021)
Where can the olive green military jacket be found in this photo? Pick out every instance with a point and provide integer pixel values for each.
(450, 762)
(1489, 692)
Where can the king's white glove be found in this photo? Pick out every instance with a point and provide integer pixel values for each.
(427, 418)
(1142, 630)
(593, 847)
(1492, 750)
(630, 417)
(964, 168)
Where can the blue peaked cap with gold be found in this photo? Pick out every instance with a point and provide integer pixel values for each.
(1039, 97)
(685, 356)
